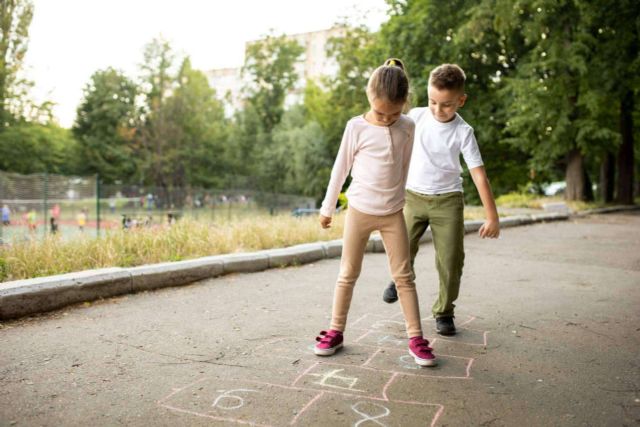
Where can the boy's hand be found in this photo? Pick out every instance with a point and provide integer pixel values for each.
(325, 221)
(490, 229)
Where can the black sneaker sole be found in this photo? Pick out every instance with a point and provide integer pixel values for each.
(390, 294)
(389, 300)
(446, 333)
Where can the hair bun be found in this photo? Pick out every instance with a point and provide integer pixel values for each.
(394, 62)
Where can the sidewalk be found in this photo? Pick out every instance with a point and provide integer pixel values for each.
(548, 319)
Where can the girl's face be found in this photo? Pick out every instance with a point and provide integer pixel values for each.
(383, 113)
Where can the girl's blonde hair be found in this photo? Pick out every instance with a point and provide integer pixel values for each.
(390, 82)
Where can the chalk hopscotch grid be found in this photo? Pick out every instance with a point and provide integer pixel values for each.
(320, 393)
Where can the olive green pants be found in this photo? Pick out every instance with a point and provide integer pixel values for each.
(445, 214)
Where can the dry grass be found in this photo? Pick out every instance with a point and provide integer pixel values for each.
(184, 240)
(191, 238)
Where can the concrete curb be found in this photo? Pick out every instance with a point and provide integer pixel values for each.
(32, 296)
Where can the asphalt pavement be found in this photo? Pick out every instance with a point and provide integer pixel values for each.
(549, 334)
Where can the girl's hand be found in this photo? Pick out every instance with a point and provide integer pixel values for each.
(325, 221)
(490, 229)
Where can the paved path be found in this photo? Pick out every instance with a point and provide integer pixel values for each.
(549, 335)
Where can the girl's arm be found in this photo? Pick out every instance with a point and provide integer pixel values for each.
(491, 227)
(341, 168)
(406, 157)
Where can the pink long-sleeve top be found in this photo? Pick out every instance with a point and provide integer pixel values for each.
(378, 158)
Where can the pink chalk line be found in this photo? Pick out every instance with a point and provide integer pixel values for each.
(386, 386)
(306, 371)
(363, 335)
(307, 406)
(384, 398)
(372, 356)
(484, 338)
(213, 417)
(359, 319)
(178, 390)
(446, 377)
(471, 319)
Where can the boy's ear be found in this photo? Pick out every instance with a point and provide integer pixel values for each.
(462, 100)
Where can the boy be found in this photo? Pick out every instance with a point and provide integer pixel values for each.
(434, 187)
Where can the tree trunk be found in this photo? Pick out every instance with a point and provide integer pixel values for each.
(607, 177)
(625, 182)
(588, 187)
(575, 177)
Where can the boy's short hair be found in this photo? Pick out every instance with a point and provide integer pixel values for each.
(448, 77)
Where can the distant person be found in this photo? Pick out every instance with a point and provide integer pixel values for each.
(32, 220)
(55, 211)
(6, 215)
(171, 218)
(81, 219)
(434, 187)
(126, 222)
(54, 225)
(112, 205)
(376, 148)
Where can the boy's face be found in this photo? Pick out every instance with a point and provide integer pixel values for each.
(444, 103)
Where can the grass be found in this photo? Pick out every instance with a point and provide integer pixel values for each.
(192, 238)
(186, 239)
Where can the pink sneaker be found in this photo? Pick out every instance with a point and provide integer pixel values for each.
(328, 342)
(421, 352)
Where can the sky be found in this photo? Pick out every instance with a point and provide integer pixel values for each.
(71, 39)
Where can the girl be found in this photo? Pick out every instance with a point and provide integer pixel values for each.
(376, 147)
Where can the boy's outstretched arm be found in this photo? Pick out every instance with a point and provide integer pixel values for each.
(491, 227)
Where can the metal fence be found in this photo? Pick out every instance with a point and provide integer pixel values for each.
(34, 206)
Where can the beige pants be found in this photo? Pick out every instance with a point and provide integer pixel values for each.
(357, 229)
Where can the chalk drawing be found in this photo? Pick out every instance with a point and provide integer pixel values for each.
(407, 362)
(392, 340)
(370, 417)
(382, 323)
(377, 336)
(332, 375)
(226, 395)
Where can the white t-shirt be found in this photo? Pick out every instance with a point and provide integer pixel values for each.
(378, 158)
(435, 163)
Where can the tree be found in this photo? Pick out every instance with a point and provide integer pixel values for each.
(545, 95)
(299, 146)
(35, 148)
(198, 156)
(182, 130)
(615, 33)
(15, 18)
(105, 126)
(270, 67)
(156, 133)
(270, 70)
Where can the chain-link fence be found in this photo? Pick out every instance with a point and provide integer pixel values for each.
(33, 206)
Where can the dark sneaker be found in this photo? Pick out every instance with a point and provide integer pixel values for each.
(445, 326)
(328, 342)
(390, 294)
(421, 352)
